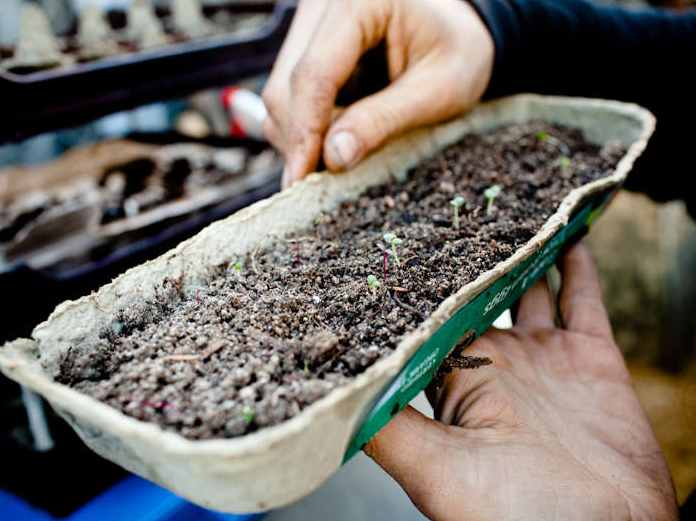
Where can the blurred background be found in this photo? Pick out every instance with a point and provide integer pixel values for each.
(151, 153)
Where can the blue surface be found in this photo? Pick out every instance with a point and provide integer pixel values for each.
(133, 499)
(11, 509)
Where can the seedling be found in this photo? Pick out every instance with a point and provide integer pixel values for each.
(237, 266)
(564, 162)
(117, 327)
(490, 194)
(373, 283)
(392, 240)
(543, 137)
(456, 204)
(248, 413)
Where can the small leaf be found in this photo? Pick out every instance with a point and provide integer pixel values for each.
(248, 413)
(458, 201)
(373, 282)
(493, 192)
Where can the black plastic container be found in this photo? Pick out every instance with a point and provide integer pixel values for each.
(68, 96)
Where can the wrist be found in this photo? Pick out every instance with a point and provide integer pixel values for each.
(499, 21)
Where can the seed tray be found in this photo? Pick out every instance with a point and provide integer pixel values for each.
(277, 465)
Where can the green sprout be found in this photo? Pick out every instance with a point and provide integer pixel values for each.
(456, 204)
(237, 266)
(564, 162)
(545, 137)
(248, 413)
(490, 194)
(394, 242)
(373, 282)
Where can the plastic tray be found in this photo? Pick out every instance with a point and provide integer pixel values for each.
(65, 97)
(67, 280)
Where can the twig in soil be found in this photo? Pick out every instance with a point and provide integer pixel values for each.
(252, 259)
(181, 358)
(399, 289)
(456, 204)
(212, 350)
(407, 307)
(490, 194)
(409, 259)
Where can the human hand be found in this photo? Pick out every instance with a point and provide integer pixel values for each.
(551, 431)
(439, 54)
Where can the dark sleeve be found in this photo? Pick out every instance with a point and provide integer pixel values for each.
(580, 48)
(688, 509)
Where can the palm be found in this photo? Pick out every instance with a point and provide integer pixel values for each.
(552, 430)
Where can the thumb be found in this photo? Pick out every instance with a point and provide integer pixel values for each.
(422, 96)
(402, 446)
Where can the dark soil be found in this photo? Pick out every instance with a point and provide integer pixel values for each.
(277, 330)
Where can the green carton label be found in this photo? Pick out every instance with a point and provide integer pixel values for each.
(470, 321)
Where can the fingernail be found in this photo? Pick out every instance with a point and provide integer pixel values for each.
(293, 171)
(343, 148)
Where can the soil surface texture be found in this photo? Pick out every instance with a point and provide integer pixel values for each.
(277, 330)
